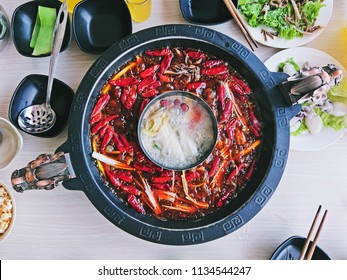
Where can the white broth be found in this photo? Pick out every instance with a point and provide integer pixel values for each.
(176, 132)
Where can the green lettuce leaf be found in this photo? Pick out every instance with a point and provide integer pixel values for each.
(291, 61)
(332, 121)
(302, 128)
(339, 93)
(311, 10)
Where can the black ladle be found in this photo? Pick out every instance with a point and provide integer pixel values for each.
(40, 118)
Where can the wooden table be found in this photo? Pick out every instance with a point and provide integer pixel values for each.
(62, 224)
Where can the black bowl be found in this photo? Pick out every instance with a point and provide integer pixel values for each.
(32, 91)
(99, 24)
(23, 22)
(291, 249)
(205, 11)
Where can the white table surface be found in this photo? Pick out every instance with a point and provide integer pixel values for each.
(63, 224)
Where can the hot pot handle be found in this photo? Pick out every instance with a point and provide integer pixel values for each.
(45, 172)
(281, 99)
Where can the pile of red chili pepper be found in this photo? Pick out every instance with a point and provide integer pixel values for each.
(148, 188)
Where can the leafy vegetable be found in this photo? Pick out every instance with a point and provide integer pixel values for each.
(339, 93)
(291, 61)
(283, 17)
(332, 121)
(302, 128)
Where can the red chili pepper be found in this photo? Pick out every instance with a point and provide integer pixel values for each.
(141, 167)
(149, 71)
(215, 70)
(221, 95)
(138, 153)
(143, 105)
(118, 143)
(223, 199)
(235, 172)
(125, 82)
(242, 84)
(160, 52)
(113, 179)
(226, 112)
(153, 85)
(136, 204)
(161, 179)
(196, 54)
(150, 93)
(249, 172)
(165, 78)
(214, 167)
(102, 123)
(162, 186)
(125, 94)
(190, 175)
(128, 147)
(165, 63)
(106, 137)
(123, 175)
(129, 103)
(95, 119)
(196, 85)
(254, 120)
(100, 104)
(145, 82)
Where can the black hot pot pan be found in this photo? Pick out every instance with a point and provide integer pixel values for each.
(275, 116)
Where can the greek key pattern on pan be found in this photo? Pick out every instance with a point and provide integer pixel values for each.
(75, 142)
(165, 30)
(80, 101)
(240, 49)
(280, 158)
(232, 224)
(282, 117)
(266, 77)
(264, 195)
(128, 43)
(113, 214)
(86, 180)
(98, 67)
(202, 32)
(149, 233)
(193, 237)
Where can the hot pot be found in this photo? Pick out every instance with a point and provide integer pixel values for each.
(83, 175)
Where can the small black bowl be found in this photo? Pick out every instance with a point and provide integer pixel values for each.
(32, 91)
(99, 24)
(23, 22)
(205, 12)
(291, 249)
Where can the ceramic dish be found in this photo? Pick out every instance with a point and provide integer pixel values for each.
(291, 249)
(23, 21)
(327, 136)
(205, 11)
(99, 24)
(7, 211)
(11, 143)
(322, 20)
(4, 28)
(31, 91)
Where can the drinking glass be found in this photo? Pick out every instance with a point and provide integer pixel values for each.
(140, 10)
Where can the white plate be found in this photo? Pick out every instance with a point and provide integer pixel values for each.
(327, 136)
(322, 20)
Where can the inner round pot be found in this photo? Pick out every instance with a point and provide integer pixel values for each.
(274, 115)
(183, 164)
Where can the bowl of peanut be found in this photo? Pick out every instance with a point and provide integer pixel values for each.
(6, 211)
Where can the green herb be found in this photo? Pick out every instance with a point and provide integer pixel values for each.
(42, 36)
(156, 146)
